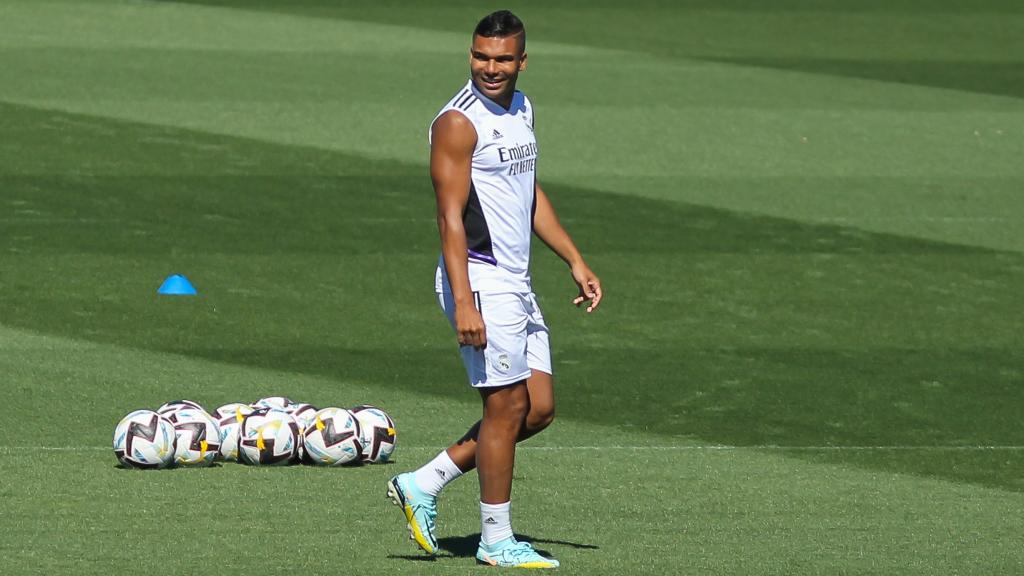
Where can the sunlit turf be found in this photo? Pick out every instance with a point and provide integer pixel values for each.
(809, 360)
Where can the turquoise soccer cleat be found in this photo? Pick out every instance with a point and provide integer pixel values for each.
(420, 510)
(512, 554)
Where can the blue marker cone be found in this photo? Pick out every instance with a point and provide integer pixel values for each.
(177, 285)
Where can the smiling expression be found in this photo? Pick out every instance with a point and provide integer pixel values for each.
(495, 64)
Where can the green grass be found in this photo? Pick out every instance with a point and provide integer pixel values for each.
(808, 218)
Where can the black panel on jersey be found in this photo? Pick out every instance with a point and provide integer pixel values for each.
(478, 236)
(533, 206)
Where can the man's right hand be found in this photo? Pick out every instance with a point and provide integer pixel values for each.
(469, 325)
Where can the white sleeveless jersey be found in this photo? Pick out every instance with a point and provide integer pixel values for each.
(499, 213)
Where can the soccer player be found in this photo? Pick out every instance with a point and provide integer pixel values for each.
(483, 162)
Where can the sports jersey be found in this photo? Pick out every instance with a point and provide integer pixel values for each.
(498, 217)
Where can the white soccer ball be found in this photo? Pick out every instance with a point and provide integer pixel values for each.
(144, 439)
(175, 405)
(303, 413)
(198, 435)
(377, 433)
(229, 421)
(333, 438)
(279, 402)
(237, 409)
(269, 437)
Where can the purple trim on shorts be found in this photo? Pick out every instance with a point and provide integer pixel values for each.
(483, 257)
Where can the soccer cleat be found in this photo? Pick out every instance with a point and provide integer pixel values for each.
(420, 510)
(512, 554)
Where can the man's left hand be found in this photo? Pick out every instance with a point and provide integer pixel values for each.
(589, 285)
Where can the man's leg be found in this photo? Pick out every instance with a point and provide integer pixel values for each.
(503, 424)
(541, 413)
(416, 492)
(424, 484)
(460, 457)
(504, 412)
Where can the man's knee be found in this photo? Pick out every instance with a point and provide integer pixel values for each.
(540, 417)
(510, 405)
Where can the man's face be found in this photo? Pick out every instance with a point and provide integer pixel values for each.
(495, 64)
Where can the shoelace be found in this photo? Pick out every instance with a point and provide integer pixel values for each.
(520, 550)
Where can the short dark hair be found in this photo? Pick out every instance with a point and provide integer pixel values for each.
(500, 24)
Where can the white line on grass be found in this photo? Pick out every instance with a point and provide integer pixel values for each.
(30, 220)
(774, 447)
(968, 219)
(712, 447)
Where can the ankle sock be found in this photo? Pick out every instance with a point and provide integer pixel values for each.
(495, 522)
(433, 476)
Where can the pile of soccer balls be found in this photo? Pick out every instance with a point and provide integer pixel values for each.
(272, 431)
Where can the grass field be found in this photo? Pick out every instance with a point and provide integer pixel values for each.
(808, 214)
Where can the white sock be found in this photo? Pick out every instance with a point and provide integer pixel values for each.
(436, 474)
(495, 522)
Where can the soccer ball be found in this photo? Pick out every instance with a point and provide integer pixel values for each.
(229, 421)
(279, 402)
(236, 409)
(175, 405)
(268, 437)
(144, 439)
(333, 438)
(304, 414)
(377, 433)
(198, 437)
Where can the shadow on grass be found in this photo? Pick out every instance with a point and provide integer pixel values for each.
(120, 466)
(451, 547)
(733, 328)
(708, 31)
(466, 546)
(998, 78)
(413, 557)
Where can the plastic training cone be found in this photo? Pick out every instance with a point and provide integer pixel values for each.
(177, 285)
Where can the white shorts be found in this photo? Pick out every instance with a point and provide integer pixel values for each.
(517, 338)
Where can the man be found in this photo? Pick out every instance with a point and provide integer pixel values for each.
(483, 159)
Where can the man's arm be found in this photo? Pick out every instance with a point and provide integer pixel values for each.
(453, 139)
(549, 229)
